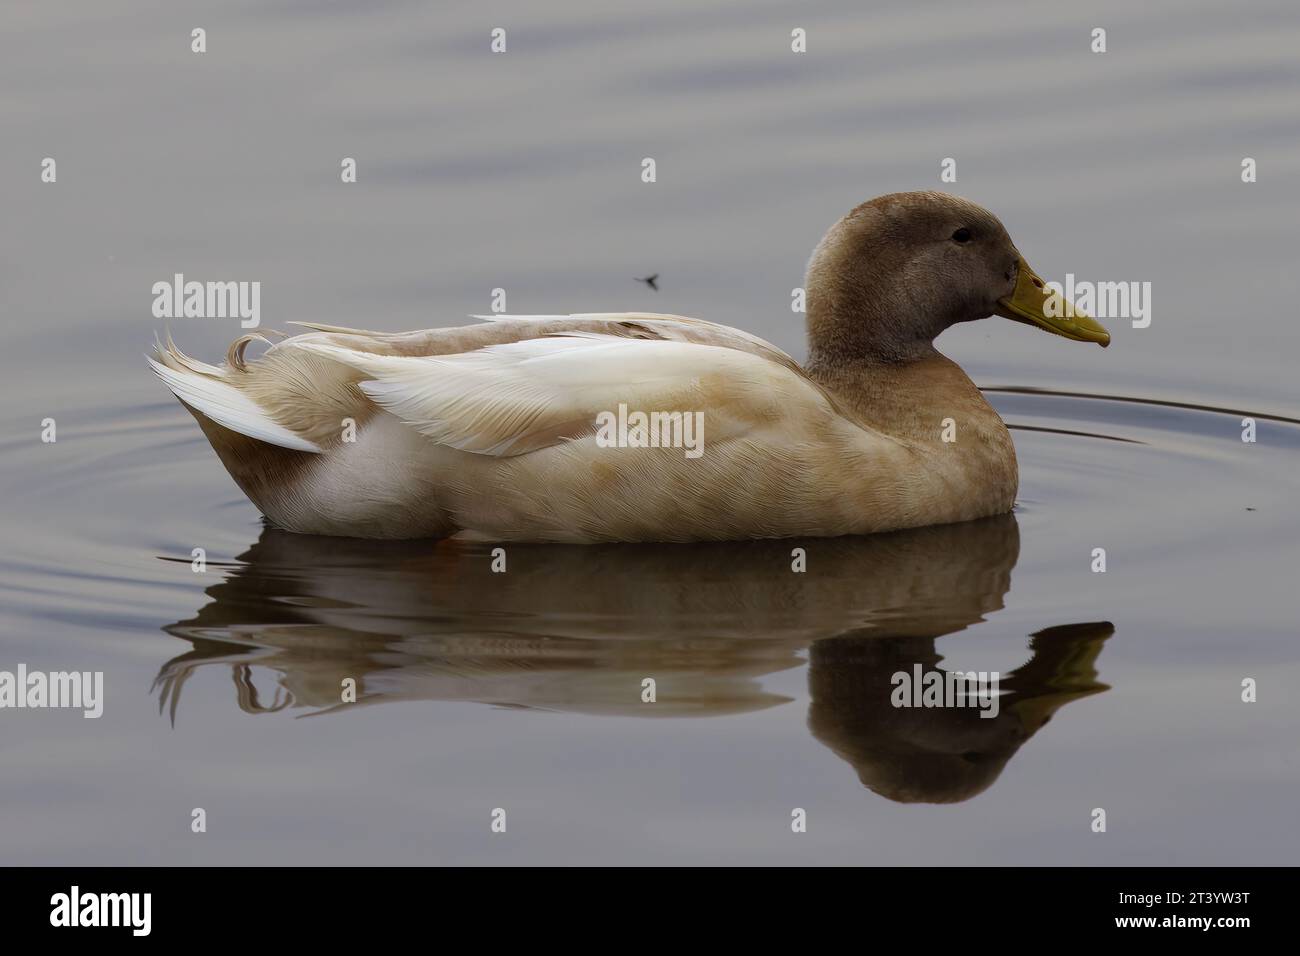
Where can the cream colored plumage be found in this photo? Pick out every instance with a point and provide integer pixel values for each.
(491, 429)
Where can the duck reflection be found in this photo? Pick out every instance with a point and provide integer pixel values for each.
(942, 754)
(578, 628)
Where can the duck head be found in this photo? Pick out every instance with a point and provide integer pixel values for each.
(899, 269)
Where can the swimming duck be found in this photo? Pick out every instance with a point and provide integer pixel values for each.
(560, 428)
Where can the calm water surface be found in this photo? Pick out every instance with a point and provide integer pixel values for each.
(522, 691)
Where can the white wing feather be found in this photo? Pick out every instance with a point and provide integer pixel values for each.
(228, 406)
(675, 327)
(513, 398)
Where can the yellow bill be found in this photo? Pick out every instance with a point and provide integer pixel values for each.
(1033, 303)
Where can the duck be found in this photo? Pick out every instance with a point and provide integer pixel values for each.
(534, 428)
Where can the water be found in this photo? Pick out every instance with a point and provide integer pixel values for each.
(523, 690)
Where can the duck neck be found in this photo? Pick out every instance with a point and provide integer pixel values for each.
(909, 400)
(865, 310)
(872, 347)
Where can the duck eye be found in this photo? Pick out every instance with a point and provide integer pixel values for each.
(961, 235)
